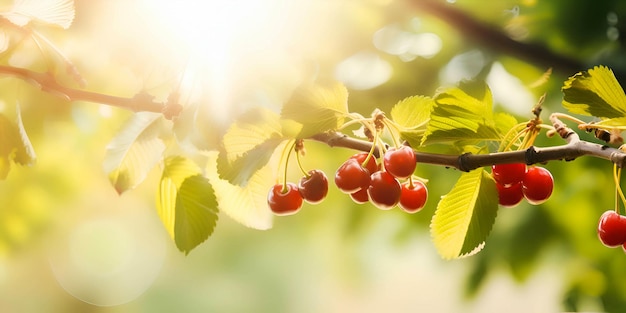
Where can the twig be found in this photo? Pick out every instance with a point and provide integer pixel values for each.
(46, 82)
(574, 148)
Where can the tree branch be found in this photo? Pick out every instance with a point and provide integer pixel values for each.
(574, 148)
(494, 39)
(47, 82)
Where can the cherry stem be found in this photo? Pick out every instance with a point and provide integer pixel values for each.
(617, 173)
(285, 156)
(300, 164)
(370, 154)
(393, 129)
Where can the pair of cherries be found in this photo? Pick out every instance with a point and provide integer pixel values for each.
(516, 181)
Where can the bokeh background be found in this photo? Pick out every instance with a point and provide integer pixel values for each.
(70, 243)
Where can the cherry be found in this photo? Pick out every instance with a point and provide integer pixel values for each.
(612, 229)
(371, 163)
(507, 174)
(400, 162)
(352, 177)
(413, 196)
(537, 185)
(284, 200)
(314, 187)
(360, 196)
(510, 195)
(384, 190)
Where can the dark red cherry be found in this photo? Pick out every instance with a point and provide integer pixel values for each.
(413, 196)
(314, 187)
(352, 177)
(507, 174)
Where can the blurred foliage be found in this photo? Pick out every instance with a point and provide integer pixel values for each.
(334, 257)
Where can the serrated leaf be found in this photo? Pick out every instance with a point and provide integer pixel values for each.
(186, 203)
(246, 205)
(248, 145)
(54, 12)
(15, 147)
(250, 130)
(412, 115)
(243, 168)
(465, 216)
(318, 107)
(135, 150)
(457, 115)
(196, 213)
(595, 92)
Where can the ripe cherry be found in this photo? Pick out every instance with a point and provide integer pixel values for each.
(511, 195)
(360, 196)
(284, 200)
(612, 229)
(537, 185)
(352, 177)
(413, 196)
(384, 190)
(314, 187)
(371, 165)
(400, 162)
(507, 174)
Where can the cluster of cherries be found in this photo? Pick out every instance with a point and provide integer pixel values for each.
(363, 179)
(516, 181)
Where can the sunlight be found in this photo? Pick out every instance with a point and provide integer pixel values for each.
(223, 40)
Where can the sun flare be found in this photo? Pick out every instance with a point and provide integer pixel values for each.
(231, 44)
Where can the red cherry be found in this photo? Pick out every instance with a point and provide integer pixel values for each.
(360, 196)
(612, 229)
(352, 177)
(384, 190)
(284, 202)
(511, 195)
(413, 197)
(371, 165)
(313, 188)
(400, 162)
(537, 185)
(507, 174)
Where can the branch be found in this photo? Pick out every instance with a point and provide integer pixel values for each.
(47, 82)
(574, 148)
(494, 39)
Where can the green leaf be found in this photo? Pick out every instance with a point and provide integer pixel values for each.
(250, 130)
(595, 92)
(15, 147)
(246, 205)
(134, 151)
(465, 216)
(504, 122)
(412, 115)
(196, 213)
(249, 144)
(318, 107)
(186, 203)
(457, 115)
